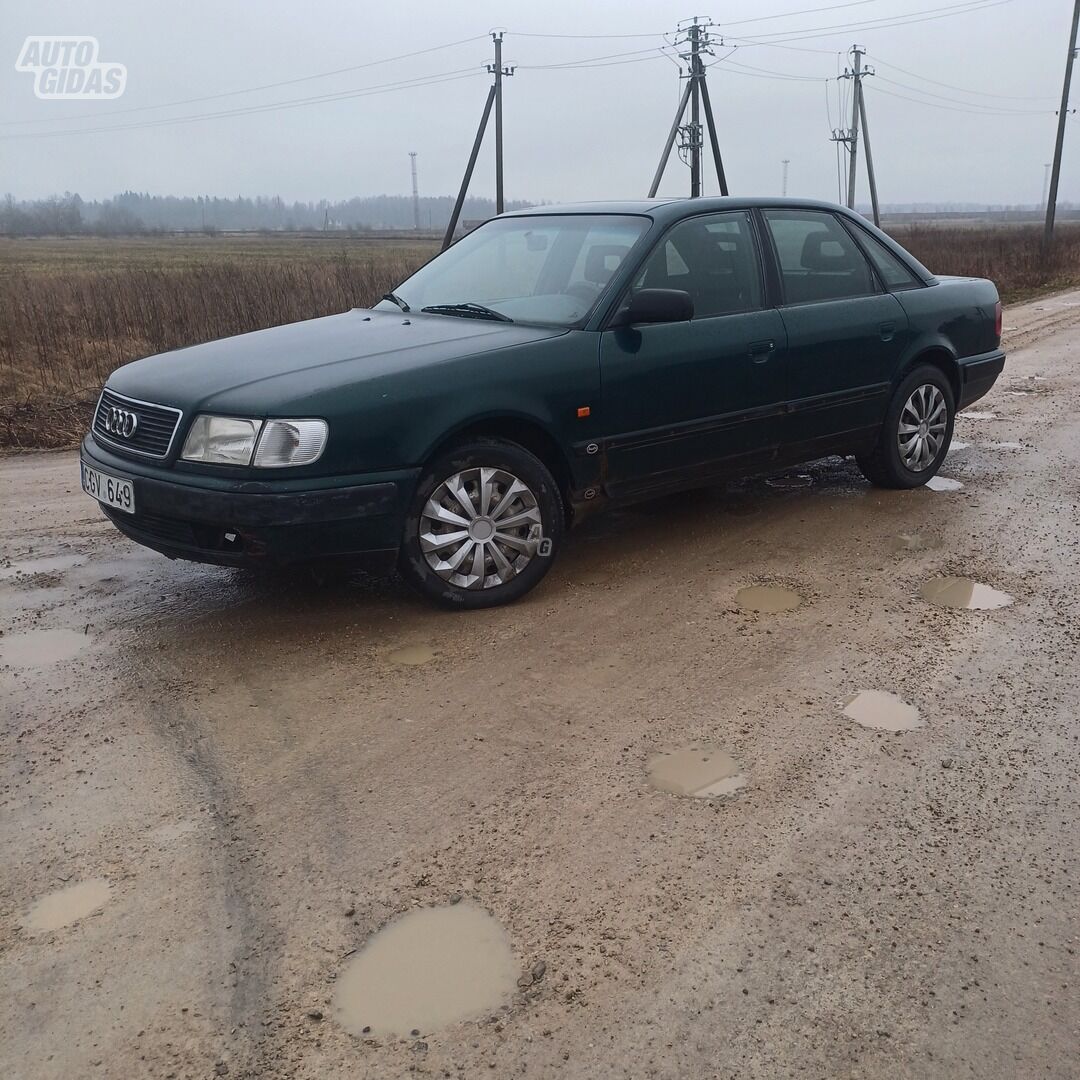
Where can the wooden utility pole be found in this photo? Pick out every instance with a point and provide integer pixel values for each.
(850, 136)
(494, 97)
(1063, 112)
(696, 93)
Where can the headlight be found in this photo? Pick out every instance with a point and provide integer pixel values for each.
(221, 440)
(290, 442)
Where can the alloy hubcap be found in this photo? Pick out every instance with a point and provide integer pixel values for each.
(480, 528)
(921, 432)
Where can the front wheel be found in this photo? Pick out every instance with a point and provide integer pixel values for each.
(916, 434)
(484, 527)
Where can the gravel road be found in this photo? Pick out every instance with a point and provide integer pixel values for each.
(216, 786)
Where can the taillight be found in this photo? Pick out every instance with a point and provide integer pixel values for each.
(997, 320)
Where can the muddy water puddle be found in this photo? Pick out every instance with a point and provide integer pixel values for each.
(701, 771)
(960, 592)
(41, 648)
(412, 655)
(425, 970)
(65, 906)
(767, 599)
(944, 483)
(798, 480)
(883, 711)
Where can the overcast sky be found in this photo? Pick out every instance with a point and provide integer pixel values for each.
(571, 133)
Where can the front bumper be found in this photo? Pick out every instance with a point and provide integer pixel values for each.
(248, 523)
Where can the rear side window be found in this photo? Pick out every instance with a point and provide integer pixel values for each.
(818, 259)
(892, 271)
(714, 258)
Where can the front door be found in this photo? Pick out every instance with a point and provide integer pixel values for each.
(845, 336)
(683, 401)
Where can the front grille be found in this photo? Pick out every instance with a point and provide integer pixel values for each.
(153, 431)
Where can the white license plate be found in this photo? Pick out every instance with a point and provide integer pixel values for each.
(110, 490)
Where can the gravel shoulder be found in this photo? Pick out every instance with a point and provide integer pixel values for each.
(244, 760)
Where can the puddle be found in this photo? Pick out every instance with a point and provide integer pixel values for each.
(1004, 446)
(959, 592)
(979, 415)
(702, 771)
(65, 906)
(956, 447)
(39, 648)
(944, 483)
(802, 480)
(412, 655)
(883, 711)
(51, 565)
(912, 541)
(427, 969)
(767, 599)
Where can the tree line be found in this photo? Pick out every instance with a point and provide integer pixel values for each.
(132, 213)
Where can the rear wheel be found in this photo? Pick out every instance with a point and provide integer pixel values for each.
(915, 436)
(484, 527)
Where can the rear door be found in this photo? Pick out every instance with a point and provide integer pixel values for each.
(681, 400)
(845, 335)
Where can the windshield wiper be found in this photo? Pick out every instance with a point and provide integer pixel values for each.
(395, 299)
(467, 310)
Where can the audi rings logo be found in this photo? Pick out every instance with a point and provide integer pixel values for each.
(120, 422)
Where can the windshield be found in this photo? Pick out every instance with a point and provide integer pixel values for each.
(544, 268)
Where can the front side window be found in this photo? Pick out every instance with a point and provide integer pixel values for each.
(545, 268)
(818, 259)
(714, 258)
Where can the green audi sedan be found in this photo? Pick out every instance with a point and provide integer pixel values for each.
(550, 363)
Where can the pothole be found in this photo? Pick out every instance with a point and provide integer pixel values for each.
(41, 648)
(65, 906)
(955, 446)
(767, 599)
(425, 970)
(961, 592)
(412, 655)
(979, 415)
(883, 711)
(700, 771)
(944, 483)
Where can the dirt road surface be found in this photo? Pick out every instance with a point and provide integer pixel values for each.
(243, 781)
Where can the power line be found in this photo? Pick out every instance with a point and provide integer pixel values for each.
(250, 89)
(926, 15)
(961, 89)
(804, 11)
(958, 108)
(383, 88)
(972, 104)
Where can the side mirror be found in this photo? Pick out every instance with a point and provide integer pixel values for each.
(655, 306)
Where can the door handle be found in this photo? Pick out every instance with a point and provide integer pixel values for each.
(887, 330)
(760, 351)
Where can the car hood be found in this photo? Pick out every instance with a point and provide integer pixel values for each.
(258, 372)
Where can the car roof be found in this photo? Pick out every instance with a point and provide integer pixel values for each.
(672, 208)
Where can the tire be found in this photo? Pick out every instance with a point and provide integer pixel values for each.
(923, 401)
(514, 559)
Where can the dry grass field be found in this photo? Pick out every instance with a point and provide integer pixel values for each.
(72, 310)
